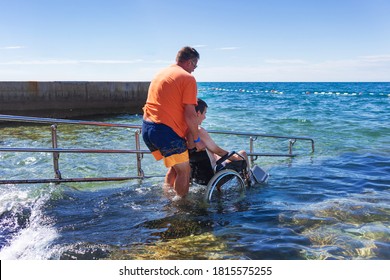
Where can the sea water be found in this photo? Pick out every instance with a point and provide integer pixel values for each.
(330, 204)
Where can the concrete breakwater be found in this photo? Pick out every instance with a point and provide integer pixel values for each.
(71, 99)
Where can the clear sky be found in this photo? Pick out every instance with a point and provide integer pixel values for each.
(242, 40)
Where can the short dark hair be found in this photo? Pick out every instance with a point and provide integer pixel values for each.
(187, 53)
(202, 105)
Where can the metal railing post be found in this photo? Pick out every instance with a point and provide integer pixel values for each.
(312, 145)
(290, 145)
(139, 155)
(251, 150)
(56, 155)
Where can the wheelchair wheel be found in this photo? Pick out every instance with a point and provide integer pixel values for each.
(224, 184)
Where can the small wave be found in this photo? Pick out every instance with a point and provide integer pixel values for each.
(27, 235)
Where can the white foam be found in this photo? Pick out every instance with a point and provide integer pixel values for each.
(32, 242)
(11, 196)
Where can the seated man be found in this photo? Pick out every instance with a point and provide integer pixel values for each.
(204, 162)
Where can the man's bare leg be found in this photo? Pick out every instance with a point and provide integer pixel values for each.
(170, 177)
(182, 181)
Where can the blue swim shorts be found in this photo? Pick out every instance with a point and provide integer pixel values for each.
(164, 143)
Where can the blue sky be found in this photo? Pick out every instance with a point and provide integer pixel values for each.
(246, 40)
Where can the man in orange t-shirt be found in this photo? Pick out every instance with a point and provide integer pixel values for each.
(169, 116)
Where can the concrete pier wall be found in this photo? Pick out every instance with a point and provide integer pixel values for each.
(72, 99)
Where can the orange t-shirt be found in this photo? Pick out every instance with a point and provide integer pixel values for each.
(169, 92)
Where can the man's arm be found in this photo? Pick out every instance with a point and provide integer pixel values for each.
(192, 123)
(213, 147)
(210, 144)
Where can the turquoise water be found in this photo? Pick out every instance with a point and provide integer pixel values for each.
(333, 204)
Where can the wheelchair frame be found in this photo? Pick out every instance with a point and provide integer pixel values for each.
(225, 175)
(213, 185)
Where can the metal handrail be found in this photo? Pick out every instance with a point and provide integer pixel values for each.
(138, 151)
(60, 150)
(266, 136)
(23, 119)
(253, 137)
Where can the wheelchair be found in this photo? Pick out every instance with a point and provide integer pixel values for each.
(227, 179)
